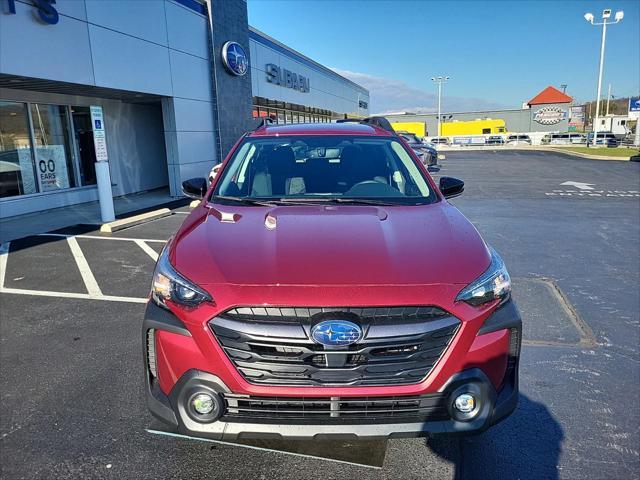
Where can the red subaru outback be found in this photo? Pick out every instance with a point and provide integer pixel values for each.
(325, 287)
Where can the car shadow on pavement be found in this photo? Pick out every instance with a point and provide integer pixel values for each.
(526, 445)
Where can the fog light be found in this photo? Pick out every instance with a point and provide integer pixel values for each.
(203, 403)
(465, 403)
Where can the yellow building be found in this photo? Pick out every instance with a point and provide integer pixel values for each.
(473, 127)
(419, 128)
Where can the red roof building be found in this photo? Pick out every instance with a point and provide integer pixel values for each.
(550, 95)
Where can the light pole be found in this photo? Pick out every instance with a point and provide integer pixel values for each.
(564, 88)
(606, 14)
(439, 81)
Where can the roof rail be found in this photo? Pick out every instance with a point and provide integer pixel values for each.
(380, 122)
(264, 122)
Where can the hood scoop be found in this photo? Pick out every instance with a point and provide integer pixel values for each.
(225, 217)
(270, 221)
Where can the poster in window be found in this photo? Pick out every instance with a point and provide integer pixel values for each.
(51, 168)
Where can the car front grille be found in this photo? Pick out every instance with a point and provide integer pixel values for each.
(400, 345)
(336, 409)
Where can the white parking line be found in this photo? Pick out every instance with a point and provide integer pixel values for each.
(147, 249)
(98, 237)
(86, 296)
(4, 253)
(252, 447)
(87, 275)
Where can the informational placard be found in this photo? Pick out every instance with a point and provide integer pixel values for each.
(576, 115)
(99, 135)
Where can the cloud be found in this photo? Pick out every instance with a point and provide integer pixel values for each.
(388, 95)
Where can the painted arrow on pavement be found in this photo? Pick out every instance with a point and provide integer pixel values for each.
(580, 185)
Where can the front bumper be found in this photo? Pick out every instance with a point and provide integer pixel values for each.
(495, 404)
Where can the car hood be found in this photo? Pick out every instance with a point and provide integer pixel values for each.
(329, 245)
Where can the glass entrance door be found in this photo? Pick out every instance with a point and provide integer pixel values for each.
(83, 134)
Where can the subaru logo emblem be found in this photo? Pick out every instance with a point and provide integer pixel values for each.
(336, 333)
(235, 58)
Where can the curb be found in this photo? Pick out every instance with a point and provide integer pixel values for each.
(542, 149)
(585, 155)
(116, 225)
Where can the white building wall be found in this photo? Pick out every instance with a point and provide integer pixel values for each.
(327, 90)
(149, 46)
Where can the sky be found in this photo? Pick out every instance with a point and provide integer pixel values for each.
(498, 54)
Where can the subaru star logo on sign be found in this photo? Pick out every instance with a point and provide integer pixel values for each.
(235, 58)
(335, 333)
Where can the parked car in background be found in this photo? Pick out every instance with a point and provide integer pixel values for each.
(607, 139)
(214, 172)
(495, 140)
(518, 139)
(440, 141)
(427, 152)
(569, 138)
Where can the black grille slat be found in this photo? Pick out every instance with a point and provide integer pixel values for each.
(296, 314)
(272, 345)
(337, 409)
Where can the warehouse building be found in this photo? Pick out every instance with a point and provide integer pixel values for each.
(548, 111)
(159, 89)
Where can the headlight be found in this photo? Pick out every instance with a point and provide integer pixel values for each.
(170, 285)
(492, 284)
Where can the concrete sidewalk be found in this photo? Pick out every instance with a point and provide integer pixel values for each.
(85, 213)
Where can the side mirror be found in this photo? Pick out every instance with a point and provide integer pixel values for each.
(195, 187)
(451, 187)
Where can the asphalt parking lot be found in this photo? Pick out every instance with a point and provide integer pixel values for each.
(71, 305)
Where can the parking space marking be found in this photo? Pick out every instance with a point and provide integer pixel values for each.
(147, 249)
(4, 252)
(98, 237)
(93, 289)
(87, 275)
(254, 447)
(85, 296)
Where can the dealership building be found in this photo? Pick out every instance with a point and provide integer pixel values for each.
(157, 89)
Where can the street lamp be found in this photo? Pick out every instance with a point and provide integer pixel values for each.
(439, 81)
(606, 14)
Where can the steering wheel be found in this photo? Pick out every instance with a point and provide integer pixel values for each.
(372, 188)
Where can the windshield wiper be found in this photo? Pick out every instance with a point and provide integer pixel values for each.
(245, 200)
(321, 200)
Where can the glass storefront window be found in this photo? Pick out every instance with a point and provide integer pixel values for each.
(288, 117)
(54, 164)
(17, 176)
(280, 117)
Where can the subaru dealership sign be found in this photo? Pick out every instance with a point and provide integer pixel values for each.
(634, 108)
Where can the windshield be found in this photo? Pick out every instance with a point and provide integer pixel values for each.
(323, 169)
